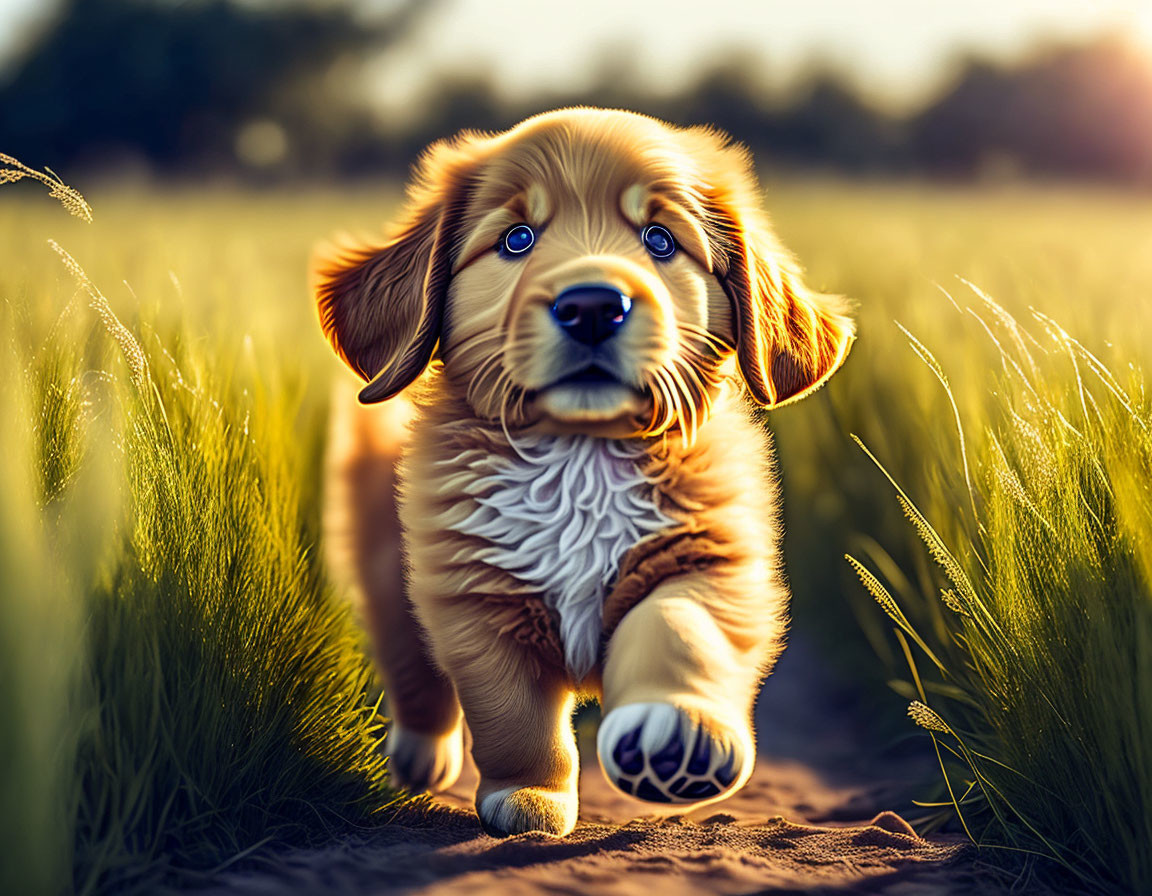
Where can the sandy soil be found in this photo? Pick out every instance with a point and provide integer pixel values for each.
(815, 818)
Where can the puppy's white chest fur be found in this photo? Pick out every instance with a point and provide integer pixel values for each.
(560, 515)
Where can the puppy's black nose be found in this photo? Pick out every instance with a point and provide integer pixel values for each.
(591, 313)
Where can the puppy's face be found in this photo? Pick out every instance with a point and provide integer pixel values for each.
(583, 295)
(587, 271)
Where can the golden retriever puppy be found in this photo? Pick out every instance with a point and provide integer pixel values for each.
(579, 313)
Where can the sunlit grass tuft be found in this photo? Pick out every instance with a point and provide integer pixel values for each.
(182, 685)
(1042, 693)
(232, 685)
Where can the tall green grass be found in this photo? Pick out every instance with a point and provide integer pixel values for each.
(180, 686)
(1035, 682)
(1082, 256)
(1077, 600)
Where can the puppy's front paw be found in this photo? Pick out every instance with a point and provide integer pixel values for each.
(517, 810)
(660, 753)
(422, 762)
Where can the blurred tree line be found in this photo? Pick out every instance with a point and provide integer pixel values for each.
(265, 91)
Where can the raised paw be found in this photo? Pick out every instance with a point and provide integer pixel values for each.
(517, 810)
(424, 762)
(659, 753)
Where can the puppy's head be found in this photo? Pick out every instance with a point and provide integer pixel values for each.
(588, 270)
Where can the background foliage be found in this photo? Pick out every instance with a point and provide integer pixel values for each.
(198, 74)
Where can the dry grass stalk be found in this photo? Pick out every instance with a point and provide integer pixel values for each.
(131, 349)
(69, 197)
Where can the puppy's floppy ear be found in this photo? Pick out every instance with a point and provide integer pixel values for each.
(381, 306)
(789, 340)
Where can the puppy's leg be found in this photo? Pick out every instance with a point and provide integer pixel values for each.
(522, 740)
(362, 531)
(678, 696)
(425, 744)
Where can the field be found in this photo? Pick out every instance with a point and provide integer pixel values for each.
(179, 685)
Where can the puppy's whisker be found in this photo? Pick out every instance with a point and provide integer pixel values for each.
(673, 391)
(503, 407)
(516, 343)
(672, 408)
(477, 344)
(660, 405)
(521, 453)
(698, 396)
(492, 364)
(693, 377)
(482, 370)
(476, 387)
(668, 390)
(699, 355)
(505, 393)
(711, 338)
(701, 358)
(479, 338)
(508, 402)
(513, 397)
(686, 408)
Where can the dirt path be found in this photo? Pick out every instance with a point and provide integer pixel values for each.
(813, 819)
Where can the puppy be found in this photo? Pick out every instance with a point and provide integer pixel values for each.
(579, 313)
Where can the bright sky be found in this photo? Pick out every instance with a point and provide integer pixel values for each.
(895, 48)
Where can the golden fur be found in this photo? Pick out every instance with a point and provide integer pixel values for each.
(695, 613)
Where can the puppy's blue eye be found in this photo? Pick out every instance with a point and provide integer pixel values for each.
(518, 239)
(658, 241)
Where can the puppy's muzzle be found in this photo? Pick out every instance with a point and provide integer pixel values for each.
(590, 313)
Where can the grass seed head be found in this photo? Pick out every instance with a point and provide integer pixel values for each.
(72, 201)
(927, 718)
(878, 591)
(939, 552)
(75, 204)
(953, 602)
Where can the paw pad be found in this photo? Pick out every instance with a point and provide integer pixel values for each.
(658, 753)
